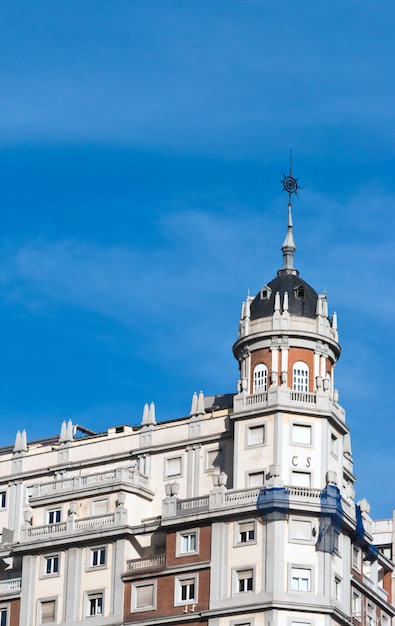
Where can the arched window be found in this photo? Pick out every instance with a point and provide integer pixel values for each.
(260, 378)
(300, 376)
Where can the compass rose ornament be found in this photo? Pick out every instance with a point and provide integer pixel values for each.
(290, 184)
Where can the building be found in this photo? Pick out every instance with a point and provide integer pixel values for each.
(241, 514)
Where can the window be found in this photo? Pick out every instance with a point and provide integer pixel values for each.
(144, 596)
(98, 557)
(53, 517)
(299, 292)
(356, 558)
(3, 503)
(260, 378)
(47, 611)
(246, 532)
(245, 580)
(100, 507)
(95, 604)
(334, 445)
(173, 467)
(213, 459)
(3, 617)
(370, 615)
(256, 435)
(301, 479)
(188, 542)
(301, 434)
(51, 565)
(255, 479)
(337, 589)
(186, 590)
(301, 530)
(300, 377)
(300, 579)
(356, 605)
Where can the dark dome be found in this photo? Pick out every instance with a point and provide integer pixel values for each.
(302, 299)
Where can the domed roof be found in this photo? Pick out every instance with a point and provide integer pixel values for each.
(302, 299)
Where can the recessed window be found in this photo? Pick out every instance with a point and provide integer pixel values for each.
(300, 377)
(356, 558)
(337, 589)
(301, 434)
(370, 615)
(47, 609)
(98, 557)
(256, 435)
(144, 596)
(255, 479)
(300, 579)
(100, 507)
(299, 292)
(95, 604)
(246, 532)
(188, 542)
(260, 378)
(53, 516)
(51, 565)
(265, 293)
(301, 479)
(301, 530)
(173, 467)
(186, 590)
(3, 617)
(3, 502)
(356, 605)
(245, 580)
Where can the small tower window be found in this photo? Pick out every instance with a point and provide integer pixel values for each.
(265, 293)
(260, 378)
(299, 292)
(300, 376)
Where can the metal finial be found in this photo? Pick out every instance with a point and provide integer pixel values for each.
(290, 183)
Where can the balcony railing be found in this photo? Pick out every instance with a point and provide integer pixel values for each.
(191, 504)
(150, 562)
(12, 585)
(63, 485)
(71, 526)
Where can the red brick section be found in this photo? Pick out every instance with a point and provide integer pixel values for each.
(14, 608)
(204, 548)
(305, 355)
(387, 585)
(260, 356)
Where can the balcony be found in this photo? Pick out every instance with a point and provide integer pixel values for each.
(111, 479)
(152, 562)
(12, 585)
(72, 527)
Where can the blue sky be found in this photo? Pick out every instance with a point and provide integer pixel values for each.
(141, 148)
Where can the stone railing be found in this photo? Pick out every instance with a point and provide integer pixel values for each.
(191, 504)
(12, 585)
(149, 562)
(80, 482)
(73, 526)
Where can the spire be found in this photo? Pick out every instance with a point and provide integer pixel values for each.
(290, 185)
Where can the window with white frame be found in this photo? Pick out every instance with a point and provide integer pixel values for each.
(3, 616)
(256, 435)
(246, 532)
(356, 558)
(51, 565)
(337, 588)
(47, 611)
(144, 596)
(300, 529)
(370, 615)
(300, 579)
(356, 605)
(244, 580)
(186, 590)
(300, 376)
(173, 467)
(187, 542)
(255, 479)
(100, 507)
(54, 516)
(98, 557)
(301, 479)
(301, 434)
(260, 378)
(3, 501)
(95, 603)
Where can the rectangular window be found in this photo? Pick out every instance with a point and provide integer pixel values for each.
(256, 435)
(300, 579)
(98, 557)
(337, 589)
(301, 479)
(334, 444)
(3, 501)
(100, 507)
(356, 558)
(187, 590)
(301, 530)
(47, 611)
(95, 604)
(188, 542)
(173, 467)
(246, 532)
(245, 580)
(370, 615)
(301, 434)
(3, 617)
(356, 605)
(53, 517)
(52, 564)
(143, 596)
(256, 479)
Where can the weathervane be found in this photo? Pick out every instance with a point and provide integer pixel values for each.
(290, 183)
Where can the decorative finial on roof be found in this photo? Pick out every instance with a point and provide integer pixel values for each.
(290, 185)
